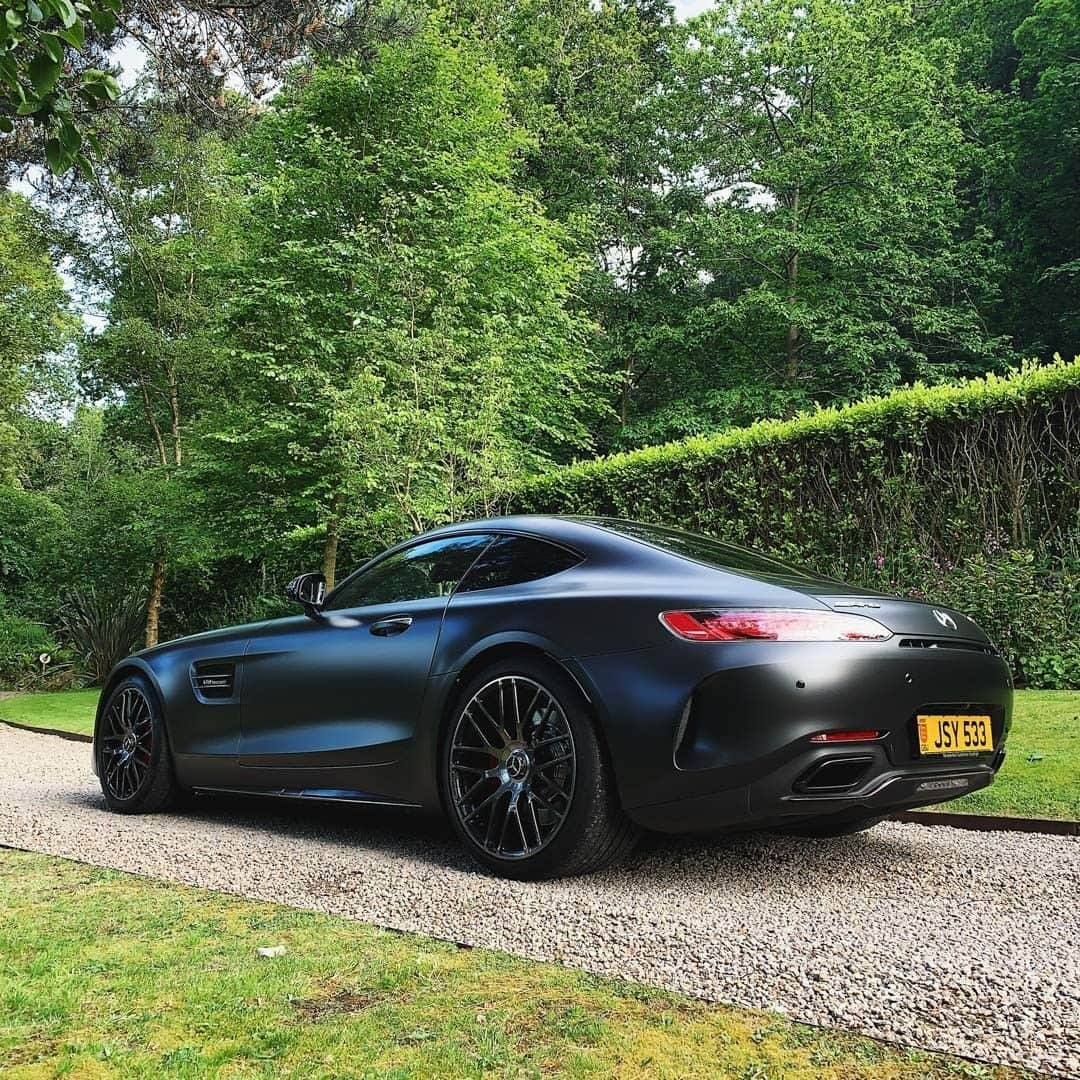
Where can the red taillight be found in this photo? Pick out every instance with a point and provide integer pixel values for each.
(773, 624)
(845, 736)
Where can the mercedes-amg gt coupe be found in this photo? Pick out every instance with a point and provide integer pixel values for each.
(554, 685)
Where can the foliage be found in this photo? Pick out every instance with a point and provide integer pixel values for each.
(33, 533)
(22, 641)
(1026, 601)
(817, 249)
(37, 82)
(885, 491)
(453, 251)
(35, 322)
(103, 628)
(57, 74)
(399, 319)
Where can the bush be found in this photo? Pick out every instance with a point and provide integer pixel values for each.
(980, 480)
(21, 643)
(103, 628)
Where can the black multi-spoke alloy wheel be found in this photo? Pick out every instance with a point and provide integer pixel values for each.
(525, 778)
(133, 760)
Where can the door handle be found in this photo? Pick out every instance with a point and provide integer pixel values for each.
(396, 624)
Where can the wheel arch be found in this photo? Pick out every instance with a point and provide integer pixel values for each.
(132, 665)
(492, 652)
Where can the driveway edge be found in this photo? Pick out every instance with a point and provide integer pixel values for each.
(72, 736)
(991, 823)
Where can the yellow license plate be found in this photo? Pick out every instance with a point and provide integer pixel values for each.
(955, 734)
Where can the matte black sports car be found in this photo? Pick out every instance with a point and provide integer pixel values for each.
(556, 684)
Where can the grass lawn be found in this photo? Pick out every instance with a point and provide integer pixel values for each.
(66, 710)
(107, 974)
(1046, 723)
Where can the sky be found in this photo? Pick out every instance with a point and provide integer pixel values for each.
(685, 8)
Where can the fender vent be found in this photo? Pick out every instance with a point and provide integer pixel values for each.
(213, 680)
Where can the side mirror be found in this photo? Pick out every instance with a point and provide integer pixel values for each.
(308, 590)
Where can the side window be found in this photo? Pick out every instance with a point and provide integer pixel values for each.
(511, 560)
(431, 569)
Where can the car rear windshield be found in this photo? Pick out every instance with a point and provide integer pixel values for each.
(710, 552)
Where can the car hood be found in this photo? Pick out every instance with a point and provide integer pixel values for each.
(226, 633)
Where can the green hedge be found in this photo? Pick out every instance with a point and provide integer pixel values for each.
(966, 493)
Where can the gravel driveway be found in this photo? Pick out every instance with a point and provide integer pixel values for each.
(940, 938)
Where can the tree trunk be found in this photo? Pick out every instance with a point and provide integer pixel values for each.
(153, 603)
(792, 367)
(329, 559)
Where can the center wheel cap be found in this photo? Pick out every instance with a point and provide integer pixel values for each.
(518, 764)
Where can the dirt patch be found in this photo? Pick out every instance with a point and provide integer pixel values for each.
(343, 1001)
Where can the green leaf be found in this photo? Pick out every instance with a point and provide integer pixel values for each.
(70, 138)
(58, 161)
(13, 18)
(29, 107)
(104, 21)
(6, 126)
(53, 46)
(44, 73)
(35, 12)
(73, 35)
(8, 72)
(67, 14)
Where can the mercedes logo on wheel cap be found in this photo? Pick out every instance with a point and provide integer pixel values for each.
(517, 764)
(945, 619)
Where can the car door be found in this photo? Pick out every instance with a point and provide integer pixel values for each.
(330, 703)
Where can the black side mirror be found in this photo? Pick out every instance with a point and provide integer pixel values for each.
(308, 590)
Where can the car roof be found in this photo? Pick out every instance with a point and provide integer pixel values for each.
(568, 530)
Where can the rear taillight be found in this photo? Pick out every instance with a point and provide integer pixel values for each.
(773, 624)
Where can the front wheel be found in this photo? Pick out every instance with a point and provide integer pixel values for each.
(525, 778)
(133, 760)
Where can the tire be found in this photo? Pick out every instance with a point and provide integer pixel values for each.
(134, 764)
(827, 829)
(501, 777)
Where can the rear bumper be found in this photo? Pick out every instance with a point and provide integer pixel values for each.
(708, 737)
(769, 804)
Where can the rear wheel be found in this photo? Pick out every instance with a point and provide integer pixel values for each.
(525, 778)
(134, 764)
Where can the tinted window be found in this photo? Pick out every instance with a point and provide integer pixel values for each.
(704, 549)
(416, 573)
(513, 559)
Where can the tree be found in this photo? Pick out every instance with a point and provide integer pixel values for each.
(1021, 80)
(582, 80)
(400, 320)
(1041, 211)
(35, 319)
(817, 248)
(56, 70)
(160, 353)
(36, 37)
